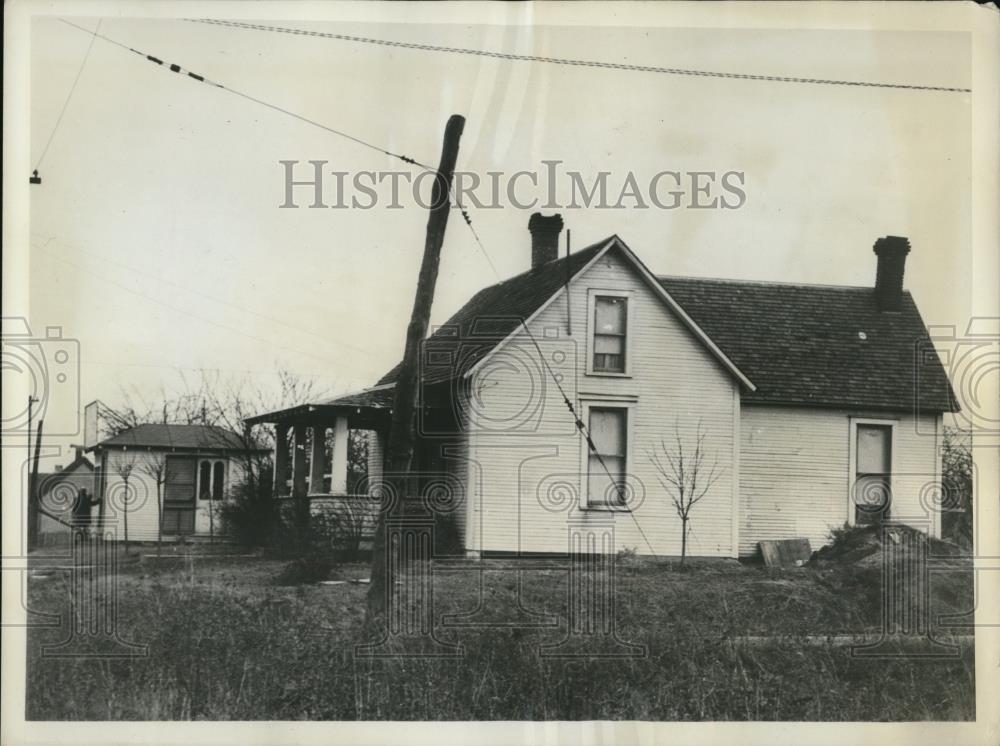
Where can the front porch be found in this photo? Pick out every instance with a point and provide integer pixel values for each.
(312, 452)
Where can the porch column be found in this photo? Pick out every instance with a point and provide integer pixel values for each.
(376, 457)
(338, 480)
(299, 462)
(280, 457)
(317, 460)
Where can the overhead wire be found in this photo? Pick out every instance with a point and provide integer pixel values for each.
(65, 105)
(216, 84)
(572, 62)
(213, 83)
(585, 433)
(581, 427)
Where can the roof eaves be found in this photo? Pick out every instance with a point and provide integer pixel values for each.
(652, 281)
(538, 311)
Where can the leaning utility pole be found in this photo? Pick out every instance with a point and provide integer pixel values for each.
(399, 452)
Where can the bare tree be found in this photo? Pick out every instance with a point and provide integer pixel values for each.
(232, 402)
(956, 477)
(156, 468)
(225, 402)
(683, 471)
(357, 460)
(124, 467)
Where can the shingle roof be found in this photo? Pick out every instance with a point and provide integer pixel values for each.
(175, 436)
(803, 344)
(798, 344)
(381, 398)
(496, 311)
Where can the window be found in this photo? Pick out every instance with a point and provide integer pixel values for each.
(218, 480)
(211, 480)
(610, 325)
(873, 473)
(204, 480)
(607, 460)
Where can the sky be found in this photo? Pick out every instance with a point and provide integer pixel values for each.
(158, 242)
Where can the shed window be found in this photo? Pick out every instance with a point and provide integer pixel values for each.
(607, 459)
(610, 324)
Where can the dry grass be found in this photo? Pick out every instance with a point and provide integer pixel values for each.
(226, 642)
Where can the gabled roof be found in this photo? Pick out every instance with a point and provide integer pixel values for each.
(499, 311)
(80, 471)
(819, 345)
(80, 462)
(186, 437)
(495, 312)
(789, 344)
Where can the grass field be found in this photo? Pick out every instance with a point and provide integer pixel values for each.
(723, 641)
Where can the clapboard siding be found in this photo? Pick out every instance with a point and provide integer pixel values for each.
(795, 471)
(142, 507)
(525, 453)
(357, 513)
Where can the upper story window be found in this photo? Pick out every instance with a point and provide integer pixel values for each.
(610, 334)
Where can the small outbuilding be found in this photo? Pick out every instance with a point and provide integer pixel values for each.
(192, 469)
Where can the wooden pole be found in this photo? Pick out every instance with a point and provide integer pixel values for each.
(33, 518)
(569, 276)
(401, 434)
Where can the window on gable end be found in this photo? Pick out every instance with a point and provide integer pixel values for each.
(610, 334)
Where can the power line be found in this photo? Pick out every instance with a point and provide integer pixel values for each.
(69, 96)
(572, 62)
(475, 235)
(580, 425)
(203, 79)
(585, 433)
(207, 81)
(215, 84)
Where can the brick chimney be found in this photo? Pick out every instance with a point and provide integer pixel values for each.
(544, 238)
(891, 252)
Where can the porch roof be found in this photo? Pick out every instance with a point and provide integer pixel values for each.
(368, 409)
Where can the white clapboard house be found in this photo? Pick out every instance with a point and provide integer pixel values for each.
(820, 405)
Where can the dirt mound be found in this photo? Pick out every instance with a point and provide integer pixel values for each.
(862, 545)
